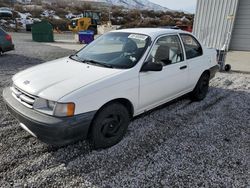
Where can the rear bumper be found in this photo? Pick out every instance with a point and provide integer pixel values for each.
(213, 70)
(49, 129)
(8, 48)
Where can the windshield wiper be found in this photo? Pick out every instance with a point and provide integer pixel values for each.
(90, 61)
(94, 62)
(75, 57)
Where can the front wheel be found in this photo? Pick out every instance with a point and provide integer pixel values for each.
(201, 89)
(109, 126)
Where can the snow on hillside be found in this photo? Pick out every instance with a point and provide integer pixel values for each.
(138, 4)
(132, 4)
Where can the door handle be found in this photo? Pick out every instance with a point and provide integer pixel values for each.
(183, 67)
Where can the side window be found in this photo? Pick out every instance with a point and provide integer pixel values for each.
(167, 50)
(192, 47)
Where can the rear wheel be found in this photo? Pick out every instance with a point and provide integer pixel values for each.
(110, 125)
(1, 52)
(201, 89)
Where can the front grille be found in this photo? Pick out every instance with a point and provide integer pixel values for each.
(24, 98)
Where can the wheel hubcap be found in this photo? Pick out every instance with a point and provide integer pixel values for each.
(111, 126)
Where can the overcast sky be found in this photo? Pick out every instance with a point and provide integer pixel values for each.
(186, 5)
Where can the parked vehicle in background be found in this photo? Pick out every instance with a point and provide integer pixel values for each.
(5, 42)
(88, 21)
(97, 91)
(5, 12)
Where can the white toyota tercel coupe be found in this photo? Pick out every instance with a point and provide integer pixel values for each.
(97, 91)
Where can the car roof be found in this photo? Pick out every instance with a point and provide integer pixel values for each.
(152, 32)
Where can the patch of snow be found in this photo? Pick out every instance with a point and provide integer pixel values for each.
(12, 25)
(50, 14)
(25, 19)
(3, 21)
(56, 17)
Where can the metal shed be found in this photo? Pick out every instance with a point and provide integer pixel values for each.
(241, 31)
(223, 23)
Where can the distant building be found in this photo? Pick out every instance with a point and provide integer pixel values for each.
(223, 23)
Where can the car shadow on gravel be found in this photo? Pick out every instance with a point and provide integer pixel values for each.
(181, 143)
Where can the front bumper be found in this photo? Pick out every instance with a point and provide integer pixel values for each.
(49, 129)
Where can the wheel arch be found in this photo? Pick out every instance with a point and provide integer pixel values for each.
(123, 101)
(206, 72)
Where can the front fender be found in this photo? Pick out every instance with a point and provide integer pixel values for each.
(93, 97)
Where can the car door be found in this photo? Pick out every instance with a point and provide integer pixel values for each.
(159, 87)
(194, 58)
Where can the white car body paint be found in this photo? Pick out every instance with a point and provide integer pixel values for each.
(90, 87)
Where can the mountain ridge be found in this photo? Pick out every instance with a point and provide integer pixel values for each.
(133, 4)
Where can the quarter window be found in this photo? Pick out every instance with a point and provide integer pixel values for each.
(192, 47)
(167, 50)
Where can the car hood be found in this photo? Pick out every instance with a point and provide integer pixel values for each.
(55, 79)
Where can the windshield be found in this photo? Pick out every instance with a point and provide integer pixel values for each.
(114, 50)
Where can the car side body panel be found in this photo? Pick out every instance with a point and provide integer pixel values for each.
(198, 65)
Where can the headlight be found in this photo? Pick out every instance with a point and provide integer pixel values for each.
(51, 104)
(63, 110)
(54, 108)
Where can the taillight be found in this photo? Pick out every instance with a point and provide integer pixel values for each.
(8, 37)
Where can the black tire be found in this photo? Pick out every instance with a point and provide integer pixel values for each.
(227, 67)
(201, 88)
(109, 126)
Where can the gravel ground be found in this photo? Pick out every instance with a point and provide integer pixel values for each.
(182, 144)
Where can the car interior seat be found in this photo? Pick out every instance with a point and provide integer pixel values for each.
(130, 47)
(162, 55)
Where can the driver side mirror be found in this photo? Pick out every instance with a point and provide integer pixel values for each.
(148, 66)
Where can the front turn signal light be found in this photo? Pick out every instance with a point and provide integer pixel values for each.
(70, 109)
(64, 109)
